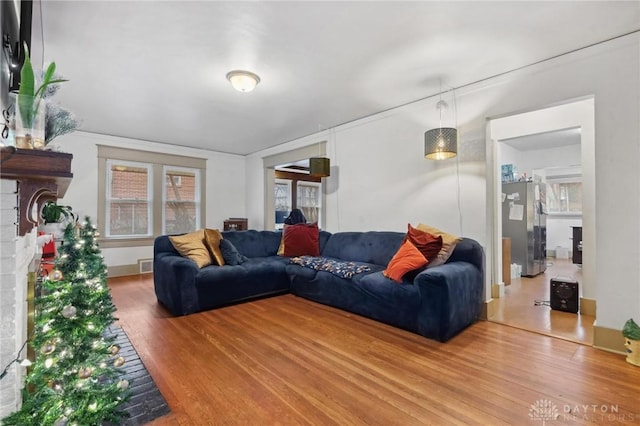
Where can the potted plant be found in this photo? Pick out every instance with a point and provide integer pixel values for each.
(631, 333)
(31, 111)
(56, 218)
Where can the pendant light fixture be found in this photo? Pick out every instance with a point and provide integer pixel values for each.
(319, 167)
(441, 143)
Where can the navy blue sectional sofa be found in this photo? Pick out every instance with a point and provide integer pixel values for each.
(436, 302)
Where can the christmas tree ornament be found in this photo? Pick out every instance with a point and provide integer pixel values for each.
(123, 384)
(85, 373)
(69, 311)
(62, 421)
(47, 348)
(56, 385)
(55, 275)
(114, 350)
(91, 327)
(93, 406)
(48, 362)
(119, 362)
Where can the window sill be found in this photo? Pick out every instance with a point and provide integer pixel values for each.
(125, 242)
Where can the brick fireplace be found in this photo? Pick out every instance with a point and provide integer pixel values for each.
(15, 255)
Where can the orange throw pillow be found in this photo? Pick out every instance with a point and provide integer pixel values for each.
(407, 258)
(428, 244)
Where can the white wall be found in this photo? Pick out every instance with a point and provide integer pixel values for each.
(383, 182)
(225, 183)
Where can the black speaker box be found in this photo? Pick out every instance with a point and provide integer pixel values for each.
(564, 295)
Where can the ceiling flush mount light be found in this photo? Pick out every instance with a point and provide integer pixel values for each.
(243, 81)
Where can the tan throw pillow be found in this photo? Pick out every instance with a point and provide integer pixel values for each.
(191, 245)
(449, 242)
(212, 239)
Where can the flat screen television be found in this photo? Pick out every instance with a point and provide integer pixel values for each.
(15, 26)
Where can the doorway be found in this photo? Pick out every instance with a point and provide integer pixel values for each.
(293, 166)
(554, 147)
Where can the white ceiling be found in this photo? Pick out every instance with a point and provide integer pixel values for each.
(155, 70)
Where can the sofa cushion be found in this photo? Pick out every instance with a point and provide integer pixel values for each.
(230, 254)
(212, 239)
(449, 242)
(300, 240)
(223, 285)
(254, 243)
(341, 268)
(407, 258)
(192, 245)
(376, 247)
(369, 294)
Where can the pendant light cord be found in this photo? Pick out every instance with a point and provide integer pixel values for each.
(455, 117)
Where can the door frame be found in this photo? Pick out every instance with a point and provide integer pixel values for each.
(569, 114)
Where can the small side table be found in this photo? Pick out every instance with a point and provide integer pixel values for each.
(236, 224)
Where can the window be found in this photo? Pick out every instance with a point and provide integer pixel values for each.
(282, 197)
(181, 204)
(564, 197)
(310, 200)
(129, 199)
(297, 191)
(145, 194)
(175, 180)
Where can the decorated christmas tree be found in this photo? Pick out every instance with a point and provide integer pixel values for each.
(75, 379)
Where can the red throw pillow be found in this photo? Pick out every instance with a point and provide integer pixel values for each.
(407, 258)
(428, 244)
(302, 239)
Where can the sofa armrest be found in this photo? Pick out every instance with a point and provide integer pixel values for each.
(451, 299)
(174, 281)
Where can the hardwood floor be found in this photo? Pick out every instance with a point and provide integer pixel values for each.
(517, 308)
(286, 360)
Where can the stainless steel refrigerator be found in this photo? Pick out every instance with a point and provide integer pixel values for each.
(524, 220)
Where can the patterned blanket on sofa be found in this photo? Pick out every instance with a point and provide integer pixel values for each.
(342, 269)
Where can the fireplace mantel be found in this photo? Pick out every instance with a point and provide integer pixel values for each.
(41, 176)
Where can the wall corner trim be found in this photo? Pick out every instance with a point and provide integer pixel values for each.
(608, 339)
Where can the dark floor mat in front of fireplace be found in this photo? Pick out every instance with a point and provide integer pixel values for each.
(146, 402)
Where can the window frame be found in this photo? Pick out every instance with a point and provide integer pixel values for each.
(157, 161)
(308, 183)
(109, 198)
(197, 201)
(560, 181)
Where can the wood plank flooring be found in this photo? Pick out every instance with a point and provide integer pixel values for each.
(285, 360)
(517, 307)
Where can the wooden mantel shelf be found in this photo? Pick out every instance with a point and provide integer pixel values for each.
(41, 175)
